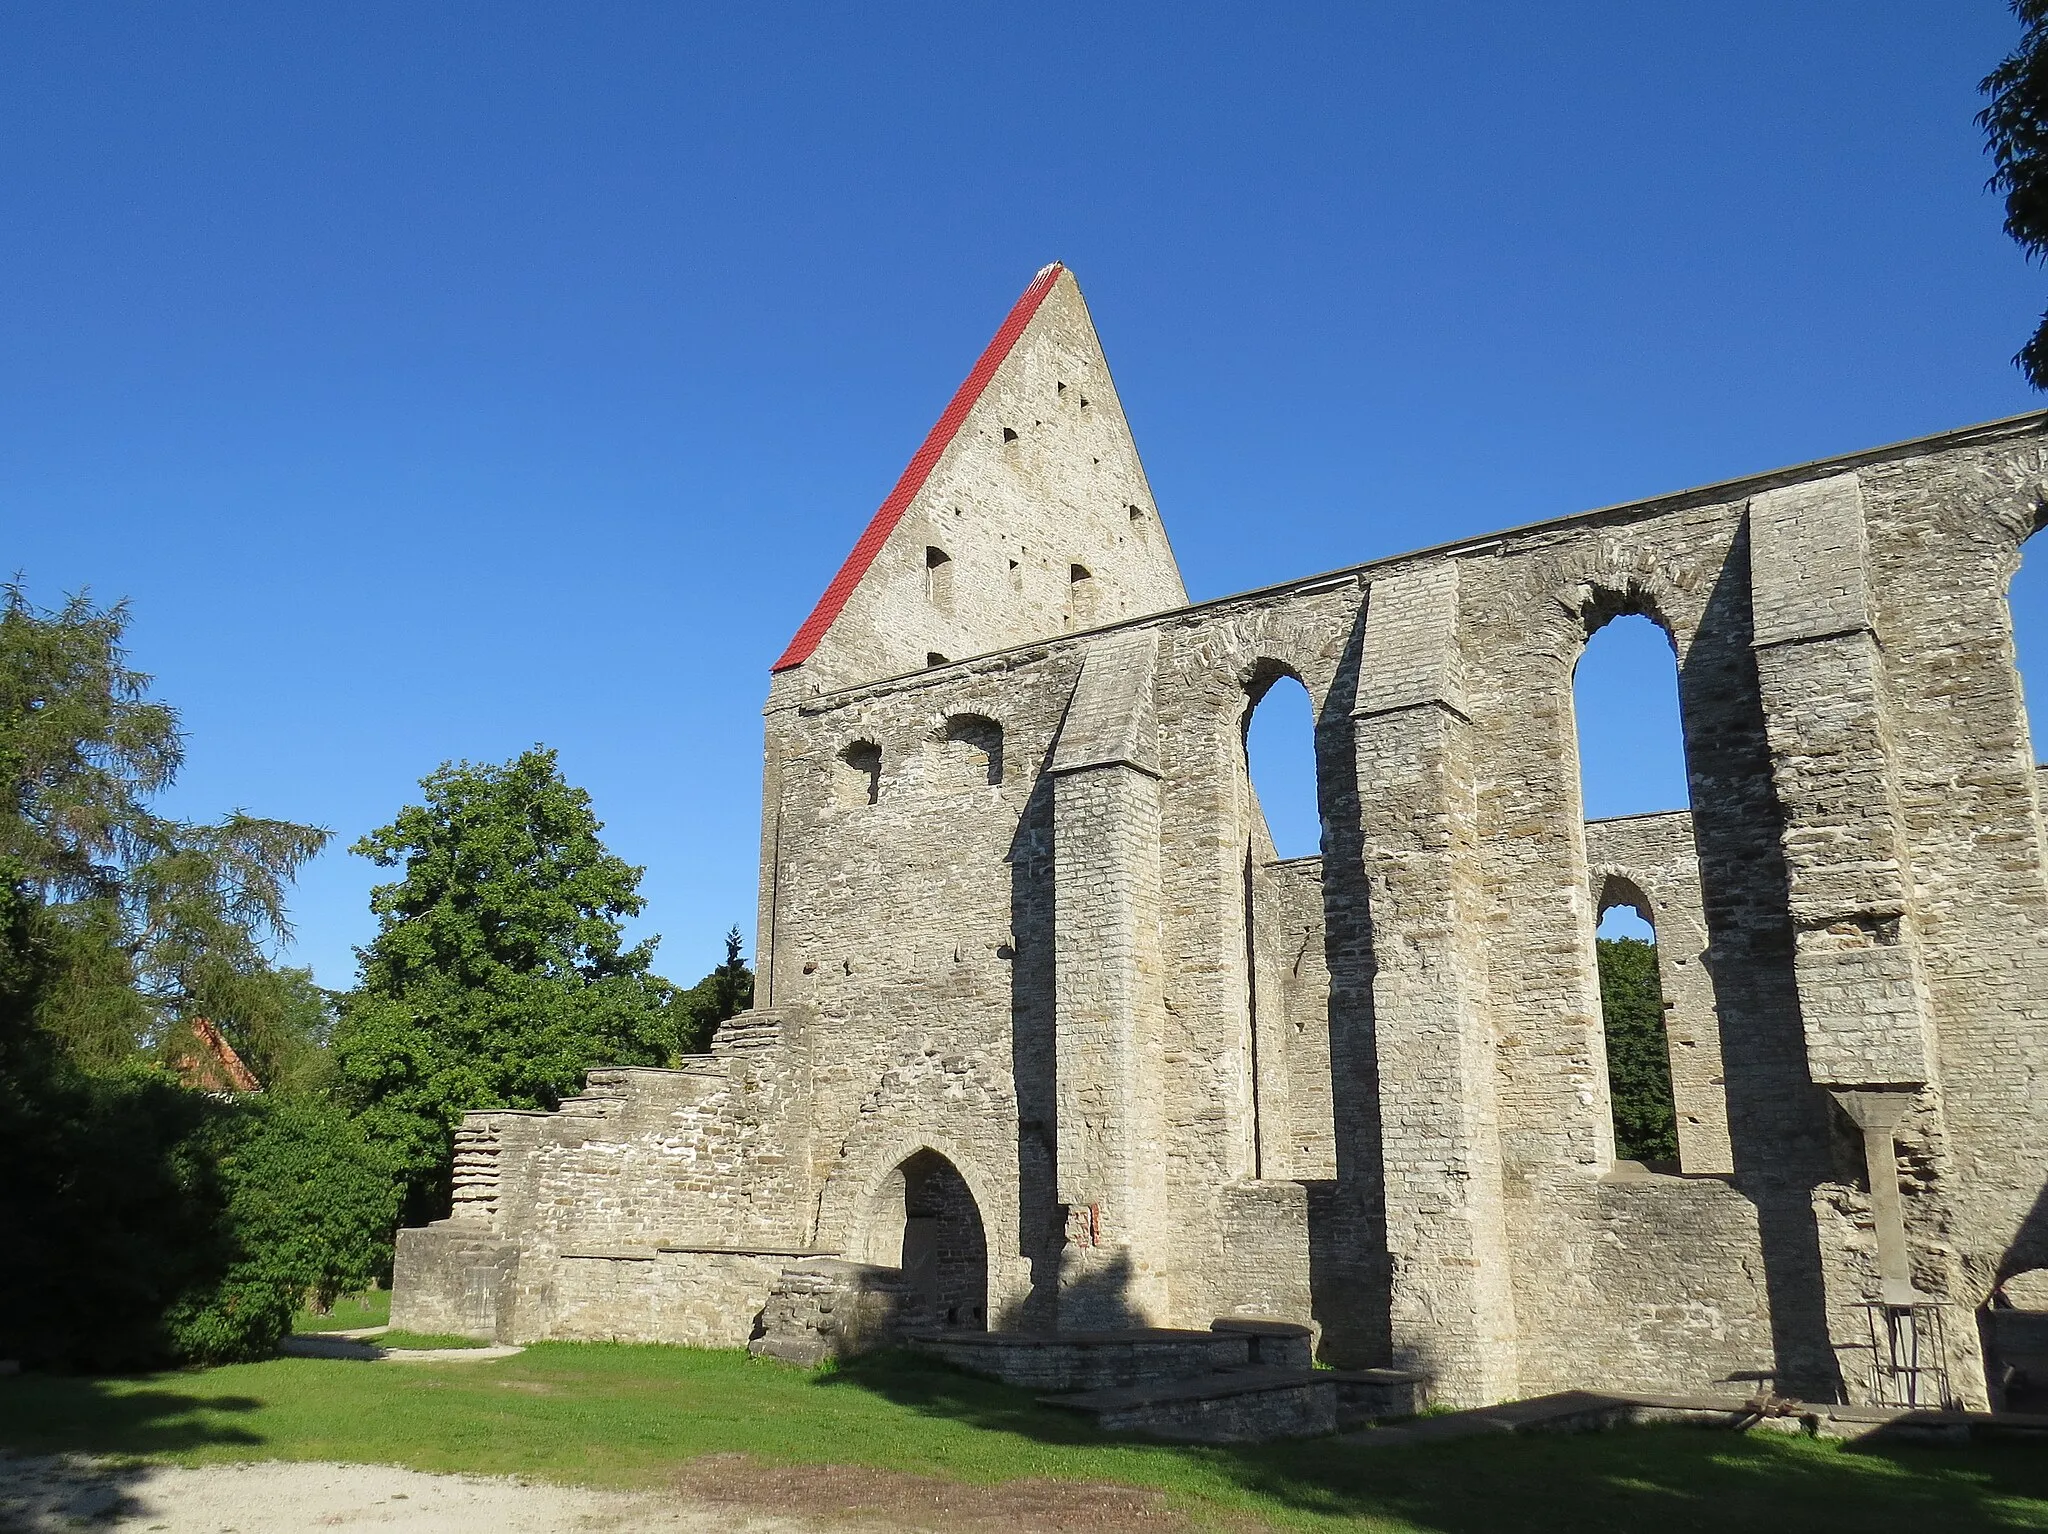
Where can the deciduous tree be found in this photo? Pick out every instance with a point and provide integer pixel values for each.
(500, 972)
(2016, 130)
(143, 1222)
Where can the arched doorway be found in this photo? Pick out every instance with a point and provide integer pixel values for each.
(943, 1249)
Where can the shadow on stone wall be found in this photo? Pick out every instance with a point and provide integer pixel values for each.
(1777, 1118)
(1040, 1221)
(1349, 1283)
(1096, 1295)
(2014, 1334)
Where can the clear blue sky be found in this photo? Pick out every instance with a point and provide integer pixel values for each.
(440, 379)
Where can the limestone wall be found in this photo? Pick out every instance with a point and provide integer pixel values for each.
(1019, 910)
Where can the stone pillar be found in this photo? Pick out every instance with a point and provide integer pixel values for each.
(1877, 1114)
(1452, 1308)
(1863, 995)
(1109, 994)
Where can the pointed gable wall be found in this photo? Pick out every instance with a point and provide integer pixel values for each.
(1030, 473)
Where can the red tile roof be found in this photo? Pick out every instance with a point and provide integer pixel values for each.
(207, 1062)
(922, 463)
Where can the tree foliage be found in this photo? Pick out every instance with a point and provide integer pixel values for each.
(151, 1224)
(1638, 1061)
(139, 920)
(146, 1223)
(2015, 127)
(692, 1016)
(499, 973)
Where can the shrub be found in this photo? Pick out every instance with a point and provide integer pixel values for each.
(159, 1225)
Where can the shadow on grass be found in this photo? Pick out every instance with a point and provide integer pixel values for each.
(89, 1414)
(1663, 1478)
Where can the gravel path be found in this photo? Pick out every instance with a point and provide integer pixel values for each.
(41, 1496)
(726, 1493)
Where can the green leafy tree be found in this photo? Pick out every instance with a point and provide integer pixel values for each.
(1638, 1062)
(2015, 127)
(311, 1204)
(500, 972)
(145, 1223)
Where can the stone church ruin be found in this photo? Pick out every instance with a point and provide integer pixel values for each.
(1051, 1048)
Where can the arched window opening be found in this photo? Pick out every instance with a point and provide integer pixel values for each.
(1009, 435)
(945, 1249)
(1639, 1089)
(1016, 577)
(938, 578)
(971, 752)
(1631, 750)
(1282, 916)
(1081, 597)
(1280, 755)
(934, 658)
(857, 775)
(1625, 698)
(1138, 520)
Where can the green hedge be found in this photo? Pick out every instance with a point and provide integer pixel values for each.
(154, 1224)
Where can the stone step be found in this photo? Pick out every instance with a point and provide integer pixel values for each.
(1249, 1405)
(1577, 1411)
(1071, 1361)
(746, 1032)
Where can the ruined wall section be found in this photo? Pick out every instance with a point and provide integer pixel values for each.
(1866, 828)
(658, 1205)
(917, 949)
(1212, 667)
(1652, 858)
(1944, 536)
(1645, 1278)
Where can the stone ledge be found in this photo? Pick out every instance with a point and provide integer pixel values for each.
(1579, 1411)
(1217, 1386)
(1246, 1405)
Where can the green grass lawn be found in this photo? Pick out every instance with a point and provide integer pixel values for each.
(630, 1416)
(351, 1311)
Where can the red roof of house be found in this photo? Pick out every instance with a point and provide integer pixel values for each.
(922, 462)
(207, 1062)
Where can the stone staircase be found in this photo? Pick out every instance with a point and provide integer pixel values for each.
(1242, 1381)
(604, 1094)
(748, 1032)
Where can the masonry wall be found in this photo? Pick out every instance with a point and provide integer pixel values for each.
(1399, 1128)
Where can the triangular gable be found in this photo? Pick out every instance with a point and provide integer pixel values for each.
(1023, 515)
(922, 462)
